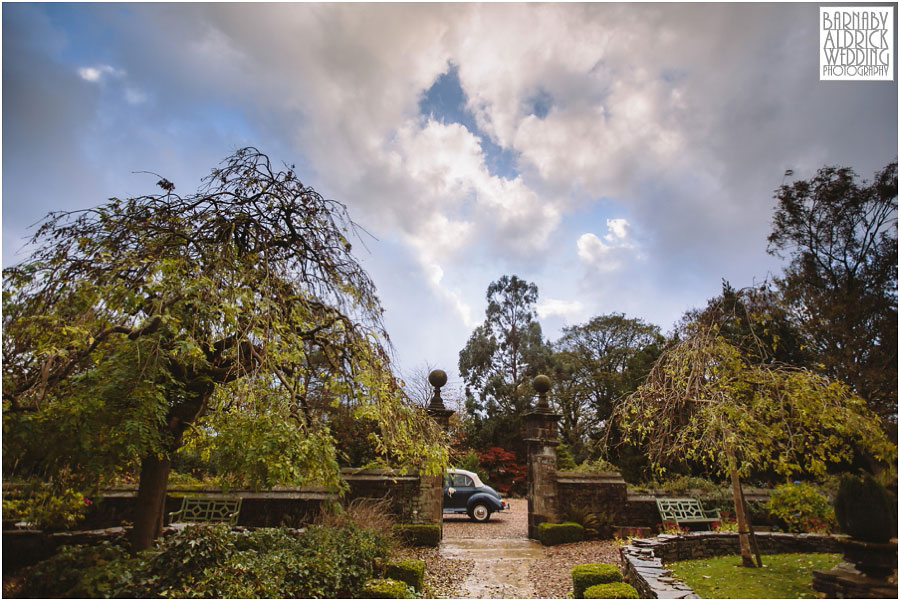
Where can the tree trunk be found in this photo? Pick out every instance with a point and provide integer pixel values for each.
(754, 545)
(151, 501)
(743, 530)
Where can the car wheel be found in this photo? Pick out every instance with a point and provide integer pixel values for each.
(480, 513)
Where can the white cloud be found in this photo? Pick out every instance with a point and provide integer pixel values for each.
(571, 311)
(618, 231)
(681, 117)
(607, 254)
(97, 73)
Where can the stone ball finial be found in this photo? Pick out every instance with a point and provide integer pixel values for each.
(541, 384)
(437, 378)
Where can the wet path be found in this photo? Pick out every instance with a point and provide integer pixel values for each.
(501, 566)
(502, 554)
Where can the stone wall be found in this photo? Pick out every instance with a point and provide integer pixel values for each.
(406, 497)
(282, 506)
(405, 500)
(640, 509)
(604, 493)
(402, 494)
(644, 560)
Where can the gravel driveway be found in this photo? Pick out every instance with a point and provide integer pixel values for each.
(503, 524)
(495, 560)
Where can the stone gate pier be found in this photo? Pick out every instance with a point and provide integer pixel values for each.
(541, 438)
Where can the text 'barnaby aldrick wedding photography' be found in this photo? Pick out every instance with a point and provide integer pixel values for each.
(856, 43)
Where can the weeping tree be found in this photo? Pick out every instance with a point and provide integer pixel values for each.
(705, 401)
(220, 319)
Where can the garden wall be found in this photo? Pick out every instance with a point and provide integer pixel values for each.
(643, 560)
(604, 493)
(407, 498)
(282, 505)
(607, 493)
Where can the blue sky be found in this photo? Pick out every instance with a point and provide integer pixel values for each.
(622, 157)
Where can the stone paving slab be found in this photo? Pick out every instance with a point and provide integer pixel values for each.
(501, 566)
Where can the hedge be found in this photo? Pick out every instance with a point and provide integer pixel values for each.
(590, 574)
(419, 535)
(557, 534)
(612, 590)
(410, 571)
(386, 588)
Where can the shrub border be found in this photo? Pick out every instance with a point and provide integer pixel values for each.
(642, 560)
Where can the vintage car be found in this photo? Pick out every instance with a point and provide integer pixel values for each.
(464, 492)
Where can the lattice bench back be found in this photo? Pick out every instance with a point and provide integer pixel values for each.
(207, 509)
(685, 511)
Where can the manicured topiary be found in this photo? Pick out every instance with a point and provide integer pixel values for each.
(589, 574)
(864, 509)
(386, 588)
(410, 571)
(613, 590)
(419, 535)
(557, 534)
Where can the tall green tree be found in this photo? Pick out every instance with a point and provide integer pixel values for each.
(755, 320)
(596, 363)
(840, 236)
(498, 362)
(707, 402)
(147, 321)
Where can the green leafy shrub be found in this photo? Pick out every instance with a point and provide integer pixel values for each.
(801, 508)
(557, 534)
(684, 484)
(61, 574)
(386, 588)
(46, 508)
(726, 525)
(589, 574)
(471, 463)
(865, 510)
(596, 525)
(177, 479)
(410, 571)
(419, 535)
(596, 465)
(613, 590)
(214, 561)
(564, 460)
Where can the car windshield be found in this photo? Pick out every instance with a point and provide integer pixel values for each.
(464, 478)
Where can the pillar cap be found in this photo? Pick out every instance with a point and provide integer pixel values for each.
(437, 378)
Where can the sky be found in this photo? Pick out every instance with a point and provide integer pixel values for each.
(623, 157)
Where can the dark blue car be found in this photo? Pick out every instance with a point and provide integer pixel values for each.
(465, 493)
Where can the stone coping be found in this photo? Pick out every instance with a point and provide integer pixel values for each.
(643, 559)
(278, 492)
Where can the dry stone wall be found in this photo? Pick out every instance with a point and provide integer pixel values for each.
(644, 560)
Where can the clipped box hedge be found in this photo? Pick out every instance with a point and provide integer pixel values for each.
(419, 535)
(410, 571)
(612, 590)
(386, 588)
(587, 575)
(557, 534)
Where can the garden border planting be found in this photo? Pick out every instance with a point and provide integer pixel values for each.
(643, 560)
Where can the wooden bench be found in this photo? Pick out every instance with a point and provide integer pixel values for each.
(207, 509)
(685, 511)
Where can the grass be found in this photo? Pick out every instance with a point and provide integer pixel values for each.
(787, 576)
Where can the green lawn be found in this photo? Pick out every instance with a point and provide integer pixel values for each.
(787, 576)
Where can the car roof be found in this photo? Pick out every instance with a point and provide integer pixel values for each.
(475, 479)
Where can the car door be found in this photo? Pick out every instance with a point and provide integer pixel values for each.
(456, 494)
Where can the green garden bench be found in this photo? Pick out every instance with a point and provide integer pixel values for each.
(207, 509)
(685, 511)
